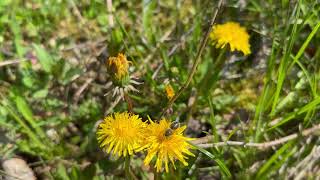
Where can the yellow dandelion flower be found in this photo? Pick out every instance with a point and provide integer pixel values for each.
(233, 34)
(121, 134)
(166, 147)
(119, 67)
(169, 91)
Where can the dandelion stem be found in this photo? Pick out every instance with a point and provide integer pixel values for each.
(212, 75)
(127, 167)
(129, 102)
(209, 80)
(156, 175)
(197, 60)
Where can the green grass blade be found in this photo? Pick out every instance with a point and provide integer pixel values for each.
(273, 159)
(307, 42)
(300, 53)
(264, 97)
(285, 62)
(310, 106)
(223, 167)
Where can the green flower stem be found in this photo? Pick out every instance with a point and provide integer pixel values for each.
(209, 79)
(127, 167)
(212, 75)
(156, 175)
(129, 102)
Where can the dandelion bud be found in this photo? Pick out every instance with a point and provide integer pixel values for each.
(169, 91)
(118, 67)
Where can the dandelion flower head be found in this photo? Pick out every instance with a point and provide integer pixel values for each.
(169, 91)
(233, 34)
(166, 149)
(118, 66)
(121, 81)
(121, 134)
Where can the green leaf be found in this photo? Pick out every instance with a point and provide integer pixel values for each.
(28, 131)
(26, 112)
(40, 94)
(16, 29)
(75, 173)
(28, 81)
(62, 172)
(44, 58)
(88, 172)
(24, 109)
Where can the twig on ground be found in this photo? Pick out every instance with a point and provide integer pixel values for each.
(77, 12)
(84, 44)
(109, 11)
(81, 89)
(14, 61)
(204, 142)
(197, 60)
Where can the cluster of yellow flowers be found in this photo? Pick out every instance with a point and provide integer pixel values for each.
(123, 134)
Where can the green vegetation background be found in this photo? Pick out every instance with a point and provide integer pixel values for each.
(53, 80)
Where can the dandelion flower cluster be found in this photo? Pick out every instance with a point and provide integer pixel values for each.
(166, 148)
(233, 34)
(121, 134)
(169, 91)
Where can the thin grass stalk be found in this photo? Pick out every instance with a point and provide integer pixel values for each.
(196, 62)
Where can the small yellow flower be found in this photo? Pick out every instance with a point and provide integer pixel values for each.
(121, 134)
(166, 148)
(119, 66)
(233, 34)
(169, 91)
